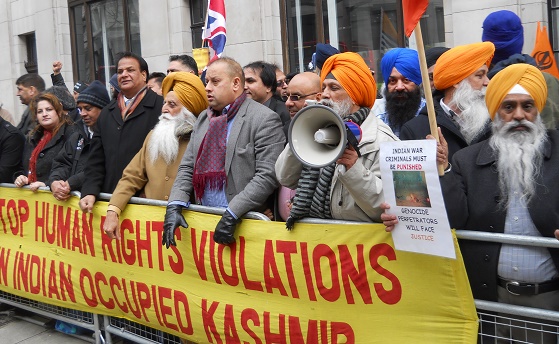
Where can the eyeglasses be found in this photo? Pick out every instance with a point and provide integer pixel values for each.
(296, 97)
(280, 83)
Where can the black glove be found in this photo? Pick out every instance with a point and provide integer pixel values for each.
(225, 229)
(173, 219)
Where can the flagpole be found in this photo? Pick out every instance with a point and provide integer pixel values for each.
(427, 89)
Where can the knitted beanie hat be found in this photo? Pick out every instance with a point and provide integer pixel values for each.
(95, 94)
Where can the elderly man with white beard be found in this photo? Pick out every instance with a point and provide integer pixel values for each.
(505, 185)
(460, 76)
(356, 192)
(155, 166)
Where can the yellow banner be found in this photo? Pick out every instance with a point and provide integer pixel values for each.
(315, 284)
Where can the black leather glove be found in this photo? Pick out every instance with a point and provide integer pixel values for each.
(225, 228)
(173, 219)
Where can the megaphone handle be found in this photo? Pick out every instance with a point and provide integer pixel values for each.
(352, 141)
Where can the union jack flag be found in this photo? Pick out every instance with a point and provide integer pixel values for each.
(214, 31)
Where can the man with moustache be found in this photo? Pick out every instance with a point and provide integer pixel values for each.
(356, 193)
(303, 86)
(461, 76)
(229, 162)
(261, 85)
(155, 166)
(402, 77)
(502, 185)
(121, 129)
(67, 172)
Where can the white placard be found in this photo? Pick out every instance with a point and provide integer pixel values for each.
(411, 186)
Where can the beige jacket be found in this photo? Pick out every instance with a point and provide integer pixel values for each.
(155, 178)
(357, 193)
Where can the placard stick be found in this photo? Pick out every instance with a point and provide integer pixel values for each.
(427, 89)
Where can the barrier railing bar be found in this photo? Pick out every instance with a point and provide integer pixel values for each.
(538, 313)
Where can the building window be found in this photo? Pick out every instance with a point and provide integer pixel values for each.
(100, 30)
(198, 10)
(365, 27)
(31, 47)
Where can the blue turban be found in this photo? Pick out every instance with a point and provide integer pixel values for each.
(503, 29)
(323, 52)
(406, 62)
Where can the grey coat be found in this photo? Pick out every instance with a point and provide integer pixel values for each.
(255, 141)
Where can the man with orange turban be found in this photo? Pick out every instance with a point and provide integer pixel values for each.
(353, 192)
(155, 166)
(460, 78)
(502, 185)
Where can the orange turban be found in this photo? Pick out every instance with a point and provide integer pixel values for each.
(460, 62)
(354, 75)
(189, 89)
(522, 74)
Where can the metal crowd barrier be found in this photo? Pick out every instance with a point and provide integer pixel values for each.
(120, 327)
(492, 315)
(495, 316)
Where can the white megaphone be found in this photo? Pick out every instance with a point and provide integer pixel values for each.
(318, 136)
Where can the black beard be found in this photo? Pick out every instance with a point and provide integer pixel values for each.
(401, 106)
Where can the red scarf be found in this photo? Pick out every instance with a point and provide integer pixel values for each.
(32, 175)
(209, 169)
(126, 110)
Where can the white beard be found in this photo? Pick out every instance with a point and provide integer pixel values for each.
(520, 156)
(164, 141)
(342, 108)
(473, 116)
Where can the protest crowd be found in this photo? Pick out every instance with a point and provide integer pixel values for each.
(221, 139)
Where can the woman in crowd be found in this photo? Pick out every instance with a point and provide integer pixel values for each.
(44, 142)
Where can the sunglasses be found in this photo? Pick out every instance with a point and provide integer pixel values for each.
(296, 97)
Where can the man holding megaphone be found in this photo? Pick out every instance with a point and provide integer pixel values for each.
(349, 186)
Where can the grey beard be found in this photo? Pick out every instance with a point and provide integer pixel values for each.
(520, 156)
(342, 108)
(164, 140)
(474, 116)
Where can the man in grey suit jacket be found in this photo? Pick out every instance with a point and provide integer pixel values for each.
(230, 159)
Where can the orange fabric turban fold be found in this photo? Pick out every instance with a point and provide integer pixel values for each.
(189, 89)
(460, 62)
(522, 74)
(354, 75)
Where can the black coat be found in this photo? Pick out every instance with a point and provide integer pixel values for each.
(279, 107)
(471, 195)
(69, 164)
(418, 128)
(116, 141)
(47, 155)
(12, 143)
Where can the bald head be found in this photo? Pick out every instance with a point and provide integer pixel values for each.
(307, 86)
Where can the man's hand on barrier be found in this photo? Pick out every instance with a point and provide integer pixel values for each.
(225, 228)
(60, 190)
(557, 234)
(173, 219)
(111, 225)
(389, 220)
(86, 203)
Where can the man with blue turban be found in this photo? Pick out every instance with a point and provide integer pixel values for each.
(402, 77)
(503, 29)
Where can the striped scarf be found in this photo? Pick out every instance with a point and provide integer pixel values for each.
(127, 109)
(312, 197)
(209, 169)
